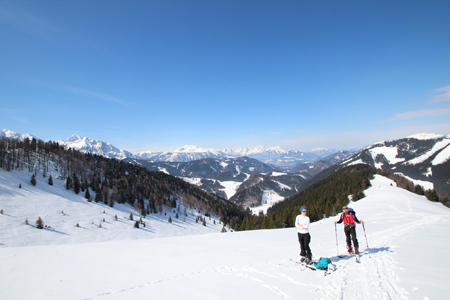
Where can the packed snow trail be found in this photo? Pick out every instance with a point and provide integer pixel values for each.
(404, 232)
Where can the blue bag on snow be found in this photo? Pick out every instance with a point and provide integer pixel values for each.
(323, 263)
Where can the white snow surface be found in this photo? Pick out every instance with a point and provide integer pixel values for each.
(425, 184)
(278, 173)
(269, 198)
(442, 157)
(389, 152)
(407, 237)
(425, 136)
(230, 187)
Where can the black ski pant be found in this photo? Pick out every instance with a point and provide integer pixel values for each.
(304, 239)
(350, 234)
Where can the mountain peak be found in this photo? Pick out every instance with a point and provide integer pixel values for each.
(73, 138)
(425, 136)
(191, 148)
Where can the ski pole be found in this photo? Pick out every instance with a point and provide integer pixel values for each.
(337, 248)
(367, 244)
(364, 229)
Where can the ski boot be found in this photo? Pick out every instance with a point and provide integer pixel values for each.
(356, 251)
(302, 259)
(349, 249)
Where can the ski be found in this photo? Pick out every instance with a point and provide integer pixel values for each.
(308, 266)
(358, 258)
(311, 266)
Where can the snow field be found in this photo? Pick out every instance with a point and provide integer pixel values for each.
(62, 210)
(406, 234)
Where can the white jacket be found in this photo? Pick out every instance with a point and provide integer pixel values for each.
(302, 224)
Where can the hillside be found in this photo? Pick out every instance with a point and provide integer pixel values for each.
(251, 264)
(61, 210)
(421, 158)
(112, 182)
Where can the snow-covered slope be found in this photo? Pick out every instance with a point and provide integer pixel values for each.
(423, 158)
(62, 210)
(406, 234)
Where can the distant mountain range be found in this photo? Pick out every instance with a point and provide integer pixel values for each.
(250, 177)
(274, 156)
(225, 176)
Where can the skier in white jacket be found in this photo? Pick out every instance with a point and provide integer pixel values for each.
(302, 224)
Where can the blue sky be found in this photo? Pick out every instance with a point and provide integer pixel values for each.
(157, 75)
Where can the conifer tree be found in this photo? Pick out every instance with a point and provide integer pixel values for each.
(170, 220)
(87, 195)
(50, 180)
(418, 189)
(69, 183)
(432, 195)
(39, 223)
(76, 184)
(33, 180)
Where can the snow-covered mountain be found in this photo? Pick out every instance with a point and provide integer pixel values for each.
(274, 156)
(14, 135)
(422, 158)
(183, 154)
(92, 146)
(119, 261)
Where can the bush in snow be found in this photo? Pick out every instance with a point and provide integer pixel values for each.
(136, 224)
(50, 180)
(33, 180)
(26, 222)
(170, 220)
(224, 230)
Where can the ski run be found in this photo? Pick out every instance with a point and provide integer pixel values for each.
(409, 238)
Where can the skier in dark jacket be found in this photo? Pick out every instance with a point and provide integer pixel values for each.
(349, 218)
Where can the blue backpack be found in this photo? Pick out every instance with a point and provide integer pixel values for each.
(323, 263)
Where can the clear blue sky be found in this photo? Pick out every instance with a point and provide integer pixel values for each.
(157, 75)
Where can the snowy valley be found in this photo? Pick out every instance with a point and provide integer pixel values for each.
(406, 235)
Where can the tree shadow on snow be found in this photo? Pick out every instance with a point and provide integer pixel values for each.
(55, 231)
